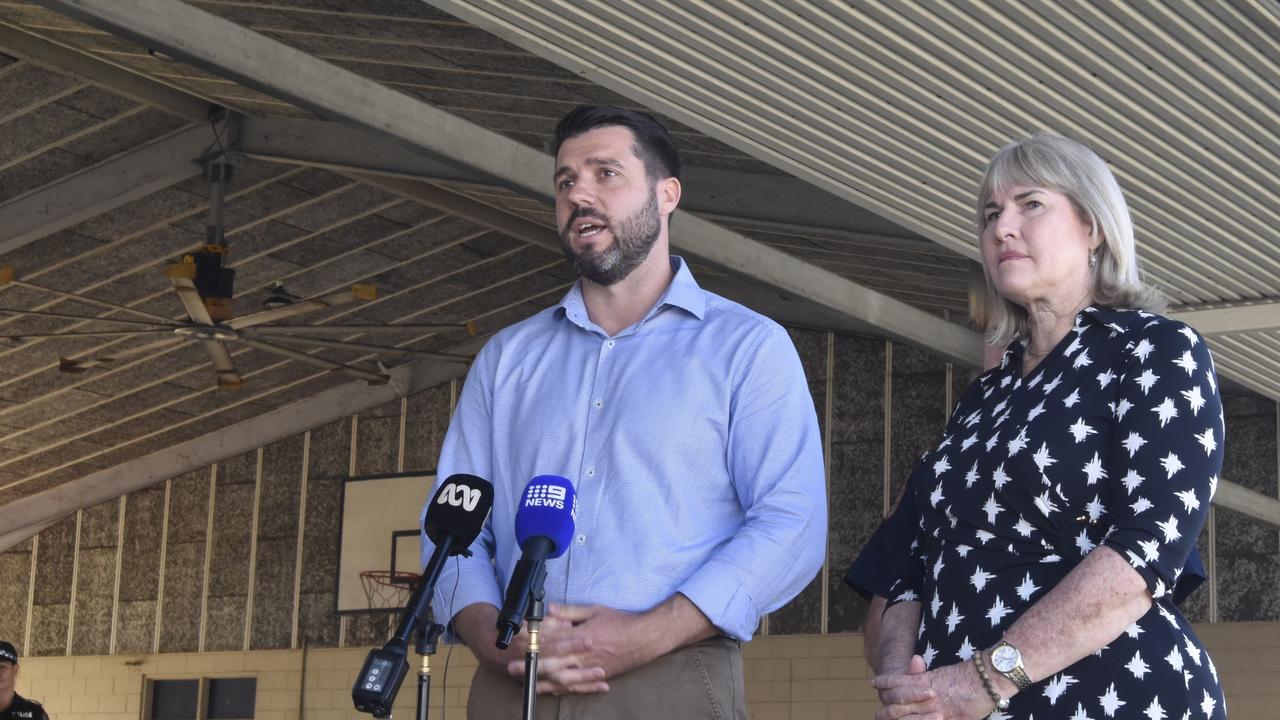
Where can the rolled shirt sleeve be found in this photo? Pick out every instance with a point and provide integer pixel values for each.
(775, 461)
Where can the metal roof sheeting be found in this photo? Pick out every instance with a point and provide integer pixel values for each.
(896, 107)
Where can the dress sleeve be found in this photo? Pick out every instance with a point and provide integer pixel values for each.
(908, 585)
(887, 555)
(1166, 451)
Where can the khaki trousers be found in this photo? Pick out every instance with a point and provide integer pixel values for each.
(700, 682)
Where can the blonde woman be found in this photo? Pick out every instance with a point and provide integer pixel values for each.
(1058, 511)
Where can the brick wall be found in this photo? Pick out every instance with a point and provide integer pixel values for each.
(795, 677)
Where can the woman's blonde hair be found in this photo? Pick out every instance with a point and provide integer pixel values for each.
(1058, 163)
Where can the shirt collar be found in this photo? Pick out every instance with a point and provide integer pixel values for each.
(683, 292)
(1110, 318)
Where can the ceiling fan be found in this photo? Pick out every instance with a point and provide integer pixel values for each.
(204, 285)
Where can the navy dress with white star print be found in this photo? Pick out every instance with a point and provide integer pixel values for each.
(1115, 438)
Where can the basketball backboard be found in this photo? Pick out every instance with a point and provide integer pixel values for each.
(379, 532)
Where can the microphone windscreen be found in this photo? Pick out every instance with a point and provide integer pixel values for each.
(547, 509)
(459, 509)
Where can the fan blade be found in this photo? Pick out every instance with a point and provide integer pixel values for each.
(355, 292)
(315, 361)
(228, 377)
(7, 272)
(469, 326)
(78, 364)
(383, 349)
(180, 275)
(67, 316)
(100, 333)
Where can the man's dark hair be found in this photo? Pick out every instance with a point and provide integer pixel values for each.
(653, 144)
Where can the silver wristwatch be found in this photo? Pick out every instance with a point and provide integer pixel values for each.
(1007, 660)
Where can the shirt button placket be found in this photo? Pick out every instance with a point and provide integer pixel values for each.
(590, 448)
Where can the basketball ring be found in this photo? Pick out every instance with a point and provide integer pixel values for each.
(387, 589)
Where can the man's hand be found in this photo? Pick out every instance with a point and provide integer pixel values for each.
(588, 644)
(477, 626)
(588, 636)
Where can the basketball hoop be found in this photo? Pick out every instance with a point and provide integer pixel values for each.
(388, 589)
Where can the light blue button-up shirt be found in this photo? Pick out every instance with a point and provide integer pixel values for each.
(690, 437)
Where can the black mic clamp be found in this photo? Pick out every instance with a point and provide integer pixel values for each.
(509, 624)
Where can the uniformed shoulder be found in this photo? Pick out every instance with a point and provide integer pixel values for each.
(25, 708)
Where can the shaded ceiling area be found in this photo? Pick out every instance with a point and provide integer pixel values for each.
(104, 136)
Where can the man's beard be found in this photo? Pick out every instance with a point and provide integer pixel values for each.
(633, 237)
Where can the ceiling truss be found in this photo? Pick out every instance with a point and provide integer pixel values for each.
(415, 150)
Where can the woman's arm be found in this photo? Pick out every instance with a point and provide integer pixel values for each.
(899, 624)
(1092, 605)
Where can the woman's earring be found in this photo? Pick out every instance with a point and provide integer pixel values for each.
(1093, 259)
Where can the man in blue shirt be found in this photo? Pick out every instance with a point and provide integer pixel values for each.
(686, 425)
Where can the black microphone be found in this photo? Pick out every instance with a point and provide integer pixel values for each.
(544, 527)
(455, 516)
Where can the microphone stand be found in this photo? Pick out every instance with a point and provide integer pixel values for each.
(384, 668)
(533, 619)
(425, 637)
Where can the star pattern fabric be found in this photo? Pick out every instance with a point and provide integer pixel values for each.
(1113, 440)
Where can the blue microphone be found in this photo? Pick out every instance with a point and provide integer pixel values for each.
(544, 528)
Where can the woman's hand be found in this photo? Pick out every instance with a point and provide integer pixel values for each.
(951, 692)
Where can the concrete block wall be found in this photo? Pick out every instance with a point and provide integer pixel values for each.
(788, 677)
(189, 565)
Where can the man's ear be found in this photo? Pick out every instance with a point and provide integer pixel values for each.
(668, 195)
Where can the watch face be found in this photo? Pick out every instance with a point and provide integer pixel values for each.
(1005, 658)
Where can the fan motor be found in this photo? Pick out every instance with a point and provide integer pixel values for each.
(214, 281)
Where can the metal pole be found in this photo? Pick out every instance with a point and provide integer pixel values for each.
(533, 621)
(425, 639)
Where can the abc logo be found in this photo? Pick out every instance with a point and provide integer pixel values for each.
(459, 496)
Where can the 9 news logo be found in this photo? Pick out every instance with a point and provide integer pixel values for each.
(546, 496)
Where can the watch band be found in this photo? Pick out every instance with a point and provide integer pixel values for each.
(1018, 677)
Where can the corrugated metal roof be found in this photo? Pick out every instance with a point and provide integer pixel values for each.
(897, 106)
(893, 107)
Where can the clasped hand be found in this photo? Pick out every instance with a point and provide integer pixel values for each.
(950, 692)
(581, 647)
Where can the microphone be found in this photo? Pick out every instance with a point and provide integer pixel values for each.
(455, 516)
(544, 527)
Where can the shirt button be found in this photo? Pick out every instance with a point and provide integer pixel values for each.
(582, 539)
(591, 472)
(599, 403)
(609, 344)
